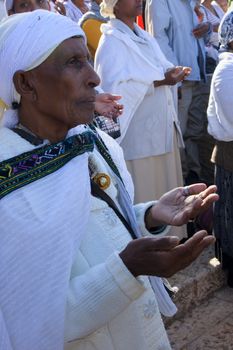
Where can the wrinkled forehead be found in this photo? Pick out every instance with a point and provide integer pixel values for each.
(71, 47)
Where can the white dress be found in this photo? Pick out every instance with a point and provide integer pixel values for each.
(149, 125)
(112, 310)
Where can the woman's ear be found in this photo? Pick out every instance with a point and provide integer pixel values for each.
(24, 85)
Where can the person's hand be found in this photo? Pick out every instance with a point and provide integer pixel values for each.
(60, 7)
(107, 105)
(174, 76)
(181, 204)
(201, 29)
(163, 257)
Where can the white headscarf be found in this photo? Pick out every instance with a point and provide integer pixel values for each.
(107, 8)
(26, 40)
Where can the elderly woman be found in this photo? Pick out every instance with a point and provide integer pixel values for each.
(221, 128)
(150, 131)
(69, 269)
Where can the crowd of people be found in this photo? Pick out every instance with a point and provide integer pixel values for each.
(105, 157)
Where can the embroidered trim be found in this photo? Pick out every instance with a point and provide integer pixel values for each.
(31, 166)
(28, 167)
(102, 148)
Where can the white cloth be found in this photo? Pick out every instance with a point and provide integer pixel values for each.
(2, 10)
(41, 227)
(40, 232)
(8, 4)
(30, 38)
(134, 82)
(214, 20)
(107, 307)
(107, 8)
(219, 112)
(72, 11)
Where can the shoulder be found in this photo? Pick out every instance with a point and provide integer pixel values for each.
(11, 144)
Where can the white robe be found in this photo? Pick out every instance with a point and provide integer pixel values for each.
(41, 226)
(128, 64)
(112, 310)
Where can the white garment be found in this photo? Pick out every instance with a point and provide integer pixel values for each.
(109, 309)
(41, 227)
(220, 118)
(214, 20)
(2, 10)
(72, 11)
(132, 63)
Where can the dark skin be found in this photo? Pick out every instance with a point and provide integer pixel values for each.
(28, 6)
(59, 95)
(127, 11)
(20, 6)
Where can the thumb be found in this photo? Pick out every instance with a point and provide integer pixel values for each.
(115, 97)
(163, 243)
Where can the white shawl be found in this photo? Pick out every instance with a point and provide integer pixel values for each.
(133, 74)
(41, 224)
(41, 228)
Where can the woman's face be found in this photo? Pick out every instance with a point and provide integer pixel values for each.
(29, 5)
(128, 8)
(64, 86)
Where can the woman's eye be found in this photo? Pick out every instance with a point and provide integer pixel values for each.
(77, 62)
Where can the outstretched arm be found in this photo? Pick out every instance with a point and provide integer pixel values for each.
(163, 256)
(181, 204)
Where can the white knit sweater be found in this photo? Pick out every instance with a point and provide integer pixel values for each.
(109, 309)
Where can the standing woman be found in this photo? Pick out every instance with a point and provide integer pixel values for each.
(221, 128)
(130, 63)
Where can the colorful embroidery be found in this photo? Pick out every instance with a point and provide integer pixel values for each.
(34, 165)
(31, 166)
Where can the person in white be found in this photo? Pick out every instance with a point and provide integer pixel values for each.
(182, 38)
(71, 273)
(150, 132)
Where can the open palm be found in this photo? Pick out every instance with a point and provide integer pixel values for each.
(175, 208)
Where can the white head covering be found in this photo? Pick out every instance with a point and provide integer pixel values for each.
(26, 40)
(8, 4)
(107, 8)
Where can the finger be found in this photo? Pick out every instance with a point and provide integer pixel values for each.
(209, 190)
(195, 239)
(209, 201)
(196, 188)
(193, 247)
(113, 97)
(163, 243)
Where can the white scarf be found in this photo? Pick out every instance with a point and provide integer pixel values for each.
(41, 226)
(42, 223)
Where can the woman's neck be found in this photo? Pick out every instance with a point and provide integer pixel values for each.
(128, 21)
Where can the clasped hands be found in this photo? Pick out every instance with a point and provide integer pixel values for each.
(165, 256)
